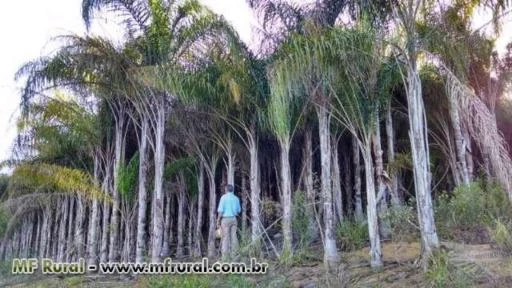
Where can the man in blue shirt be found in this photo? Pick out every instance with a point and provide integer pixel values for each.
(229, 208)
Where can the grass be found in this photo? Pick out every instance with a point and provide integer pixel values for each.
(352, 235)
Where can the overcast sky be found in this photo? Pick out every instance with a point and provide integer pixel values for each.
(26, 28)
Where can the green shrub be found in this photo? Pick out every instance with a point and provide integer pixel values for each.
(472, 208)
(442, 271)
(248, 248)
(404, 223)
(501, 235)
(199, 281)
(300, 219)
(352, 234)
(182, 281)
(239, 281)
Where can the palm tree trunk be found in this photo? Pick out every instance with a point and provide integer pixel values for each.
(71, 226)
(92, 234)
(371, 210)
(348, 182)
(142, 192)
(460, 144)
(181, 216)
(113, 254)
(382, 204)
(331, 257)
(158, 217)
(469, 157)
(44, 236)
(308, 184)
(55, 234)
(420, 157)
(230, 166)
(79, 230)
(336, 181)
(286, 201)
(255, 188)
(37, 240)
(210, 171)
(191, 220)
(200, 203)
(166, 243)
(127, 229)
(358, 201)
(106, 215)
(62, 229)
(396, 200)
(243, 195)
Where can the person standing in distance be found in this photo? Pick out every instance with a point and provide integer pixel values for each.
(229, 208)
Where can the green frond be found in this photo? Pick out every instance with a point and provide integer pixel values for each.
(48, 178)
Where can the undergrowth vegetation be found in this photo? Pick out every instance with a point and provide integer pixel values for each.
(474, 213)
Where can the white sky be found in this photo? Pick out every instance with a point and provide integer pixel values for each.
(26, 28)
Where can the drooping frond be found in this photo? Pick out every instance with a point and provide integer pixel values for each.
(48, 178)
(483, 129)
(135, 13)
(83, 64)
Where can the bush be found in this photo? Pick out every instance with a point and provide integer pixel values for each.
(300, 219)
(352, 235)
(468, 213)
(404, 223)
(501, 235)
(442, 271)
(193, 281)
(185, 281)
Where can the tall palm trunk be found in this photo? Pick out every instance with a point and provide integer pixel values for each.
(54, 245)
(158, 215)
(71, 228)
(330, 251)
(460, 144)
(243, 195)
(230, 165)
(420, 157)
(469, 157)
(191, 221)
(105, 224)
(37, 240)
(308, 184)
(255, 188)
(382, 204)
(396, 200)
(200, 203)
(167, 237)
(62, 229)
(92, 234)
(212, 199)
(371, 210)
(286, 190)
(181, 216)
(113, 254)
(142, 192)
(347, 174)
(336, 181)
(45, 235)
(79, 229)
(358, 201)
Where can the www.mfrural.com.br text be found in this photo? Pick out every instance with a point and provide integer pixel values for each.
(167, 266)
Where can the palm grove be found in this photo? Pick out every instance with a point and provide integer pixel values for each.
(123, 149)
